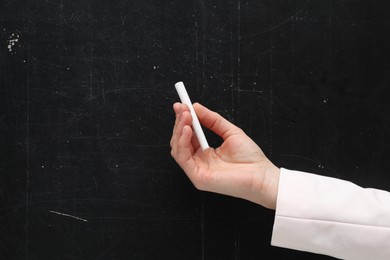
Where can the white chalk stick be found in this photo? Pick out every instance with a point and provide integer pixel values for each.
(185, 99)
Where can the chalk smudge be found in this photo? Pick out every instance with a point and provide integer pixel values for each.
(67, 215)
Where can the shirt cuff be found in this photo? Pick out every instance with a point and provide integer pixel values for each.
(331, 216)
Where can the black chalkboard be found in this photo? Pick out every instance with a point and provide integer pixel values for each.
(86, 94)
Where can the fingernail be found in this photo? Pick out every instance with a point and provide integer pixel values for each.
(180, 111)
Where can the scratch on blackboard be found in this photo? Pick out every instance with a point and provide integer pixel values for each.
(250, 90)
(238, 51)
(238, 44)
(270, 98)
(202, 225)
(67, 215)
(202, 216)
(236, 245)
(282, 22)
(94, 180)
(236, 77)
(27, 161)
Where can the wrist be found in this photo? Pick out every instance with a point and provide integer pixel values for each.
(265, 183)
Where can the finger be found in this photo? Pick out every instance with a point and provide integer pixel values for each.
(185, 151)
(177, 110)
(181, 108)
(184, 119)
(215, 122)
(194, 141)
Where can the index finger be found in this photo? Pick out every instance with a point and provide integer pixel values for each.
(215, 122)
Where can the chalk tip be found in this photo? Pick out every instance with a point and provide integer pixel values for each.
(179, 83)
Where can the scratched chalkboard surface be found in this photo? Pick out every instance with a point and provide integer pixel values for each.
(86, 94)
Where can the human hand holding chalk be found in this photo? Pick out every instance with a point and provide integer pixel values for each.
(238, 163)
(185, 99)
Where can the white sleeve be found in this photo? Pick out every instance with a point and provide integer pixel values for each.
(330, 216)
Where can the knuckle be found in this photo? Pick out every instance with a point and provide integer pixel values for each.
(197, 185)
(201, 181)
(173, 153)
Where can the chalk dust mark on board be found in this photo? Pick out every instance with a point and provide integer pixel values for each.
(13, 42)
(282, 22)
(67, 215)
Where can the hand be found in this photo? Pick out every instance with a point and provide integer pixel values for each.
(237, 168)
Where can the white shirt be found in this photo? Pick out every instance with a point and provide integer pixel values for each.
(330, 216)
